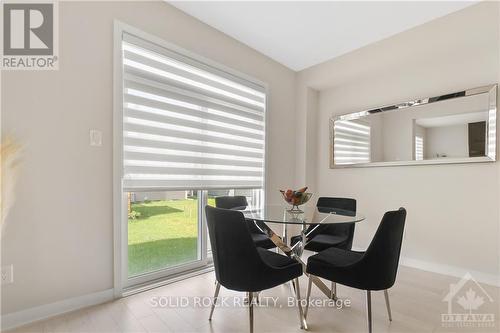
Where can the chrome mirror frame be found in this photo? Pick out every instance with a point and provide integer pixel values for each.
(491, 90)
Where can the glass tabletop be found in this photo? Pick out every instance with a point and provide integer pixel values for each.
(309, 215)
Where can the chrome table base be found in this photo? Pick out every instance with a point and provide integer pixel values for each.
(296, 252)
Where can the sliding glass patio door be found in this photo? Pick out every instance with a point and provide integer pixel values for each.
(166, 231)
(190, 130)
(165, 234)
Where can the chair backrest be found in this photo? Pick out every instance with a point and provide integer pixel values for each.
(238, 202)
(236, 260)
(382, 256)
(346, 206)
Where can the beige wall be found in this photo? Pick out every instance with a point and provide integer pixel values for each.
(59, 236)
(453, 210)
(452, 141)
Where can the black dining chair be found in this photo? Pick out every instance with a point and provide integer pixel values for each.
(374, 269)
(324, 236)
(256, 231)
(242, 266)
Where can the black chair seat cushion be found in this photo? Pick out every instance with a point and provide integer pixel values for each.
(323, 241)
(275, 259)
(337, 257)
(262, 241)
(288, 268)
(335, 264)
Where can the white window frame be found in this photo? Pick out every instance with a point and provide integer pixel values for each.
(120, 218)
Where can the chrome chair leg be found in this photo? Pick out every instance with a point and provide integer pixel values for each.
(250, 308)
(293, 287)
(216, 294)
(245, 300)
(388, 305)
(333, 294)
(369, 310)
(308, 295)
(302, 319)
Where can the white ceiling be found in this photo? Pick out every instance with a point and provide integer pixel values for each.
(456, 119)
(303, 34)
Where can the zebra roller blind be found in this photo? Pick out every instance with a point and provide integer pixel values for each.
(352, 142)
(188, 125)
(419, 148)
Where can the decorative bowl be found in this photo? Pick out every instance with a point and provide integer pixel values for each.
(296, 199)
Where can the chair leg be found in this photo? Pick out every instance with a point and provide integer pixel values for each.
(308, 295)
(302, 319)
(216, 294)
(250, 308)
(333, 294)
(369, 310)
(388, 305)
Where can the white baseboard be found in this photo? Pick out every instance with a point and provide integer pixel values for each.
(455, 271)
(459, 272)
(16, 319)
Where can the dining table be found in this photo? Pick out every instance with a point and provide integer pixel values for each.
(302, 218)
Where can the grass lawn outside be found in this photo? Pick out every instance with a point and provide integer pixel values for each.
(165, 235)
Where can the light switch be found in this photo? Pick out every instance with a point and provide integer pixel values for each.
(7, 274)
(95, 138)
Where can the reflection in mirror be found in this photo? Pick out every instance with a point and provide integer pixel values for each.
(352, 142)
(461, 135)
(453, 128)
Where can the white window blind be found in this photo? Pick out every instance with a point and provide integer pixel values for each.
(188, 124)
(352, 142)
(419, 148)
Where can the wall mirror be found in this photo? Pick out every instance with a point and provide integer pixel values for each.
(458, 127)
